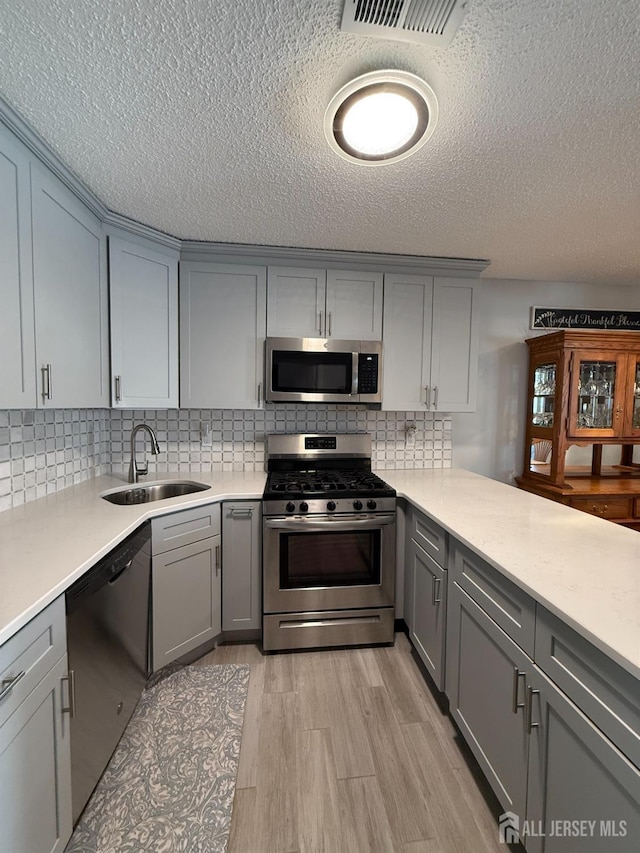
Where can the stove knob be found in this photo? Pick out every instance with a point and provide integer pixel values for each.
(371, 504)
(357, 504)
(331, 506)
(304, 506)
(290, 507)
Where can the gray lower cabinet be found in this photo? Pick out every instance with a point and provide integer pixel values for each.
(35, 759)
(429, 611)
(486, 674)
(551, 762)
(241, 566)
(576, 774)
(425, 591)
(186, 582)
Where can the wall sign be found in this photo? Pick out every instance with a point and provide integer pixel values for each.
(579, 318)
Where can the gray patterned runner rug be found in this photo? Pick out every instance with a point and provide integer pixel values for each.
(170, 783)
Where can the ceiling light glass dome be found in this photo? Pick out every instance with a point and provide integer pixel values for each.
(381, 117)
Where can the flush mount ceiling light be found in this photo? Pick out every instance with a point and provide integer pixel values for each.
(381, 117)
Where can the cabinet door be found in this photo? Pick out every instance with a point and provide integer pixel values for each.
(296, 303)
(143, 287)
(70, 288)
(241, 566)
(454, 345)
(633, 397)
(17, 349)
(429, 612)
(597, 403)
(35, 771)
(485, 675)
(406, 335)
(577, 774)
(186, 590)
(354, 305)
(222, 332)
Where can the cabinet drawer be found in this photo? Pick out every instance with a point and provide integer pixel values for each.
(605, 692)
(429, 535)
(511, 608)
(183, 528)
(33, 650)
(604, 507)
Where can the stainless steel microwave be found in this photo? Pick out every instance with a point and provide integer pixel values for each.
(319, 370)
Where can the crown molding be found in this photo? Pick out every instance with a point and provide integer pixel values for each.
(193, 250)
(123, 223)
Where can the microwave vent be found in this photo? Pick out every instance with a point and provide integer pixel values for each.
(431, 22)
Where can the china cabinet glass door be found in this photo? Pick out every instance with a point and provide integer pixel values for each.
(544, 395)
(596, 405)
(635, 401)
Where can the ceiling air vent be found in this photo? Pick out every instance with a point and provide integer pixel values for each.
(432, 22)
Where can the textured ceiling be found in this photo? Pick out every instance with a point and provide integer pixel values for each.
(203, 118)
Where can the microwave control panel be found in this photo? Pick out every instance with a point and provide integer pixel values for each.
(367, 373)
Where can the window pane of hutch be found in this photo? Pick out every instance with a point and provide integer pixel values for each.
(544, 394)
(636, 398)
(596, 387)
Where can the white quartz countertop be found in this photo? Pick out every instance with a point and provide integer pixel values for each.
(583, 569)
(47, 544)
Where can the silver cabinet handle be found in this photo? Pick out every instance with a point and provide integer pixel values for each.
(71, 680)
(329, 323)
(435, 397)
(530, 724)
(517, 675)
(241, 513)
(8, 684)
(426, 395)
(118, 388)
(435, 589)
(259, 395)
(46, 382)
(217, 560)
(320, 324)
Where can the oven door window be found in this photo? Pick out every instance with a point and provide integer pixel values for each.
(312, 372)
(343, 558)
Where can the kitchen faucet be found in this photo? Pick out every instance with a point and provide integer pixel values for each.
(136, 470)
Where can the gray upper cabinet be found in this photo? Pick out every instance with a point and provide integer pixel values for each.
(430, 336)
(143, 286)
(318, 303)
(222, 334)
(17, 348)
(71, 300)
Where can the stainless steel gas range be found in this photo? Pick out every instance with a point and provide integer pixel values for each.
(329, 539)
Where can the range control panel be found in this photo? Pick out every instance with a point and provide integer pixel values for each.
(320, 442)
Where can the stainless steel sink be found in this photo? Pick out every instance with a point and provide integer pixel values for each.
(141, 494)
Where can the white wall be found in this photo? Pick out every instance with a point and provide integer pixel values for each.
(490, 441)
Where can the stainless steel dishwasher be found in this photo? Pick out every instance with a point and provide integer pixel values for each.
(108, 646)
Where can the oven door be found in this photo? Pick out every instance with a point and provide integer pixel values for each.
(328, 562)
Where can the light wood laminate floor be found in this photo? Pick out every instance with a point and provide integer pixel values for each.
(347, 751)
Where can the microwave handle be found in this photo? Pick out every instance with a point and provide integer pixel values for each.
(354, 374)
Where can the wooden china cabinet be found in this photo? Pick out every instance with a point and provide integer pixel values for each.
(584, 389)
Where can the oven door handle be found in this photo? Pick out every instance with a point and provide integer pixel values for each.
(368, 523)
